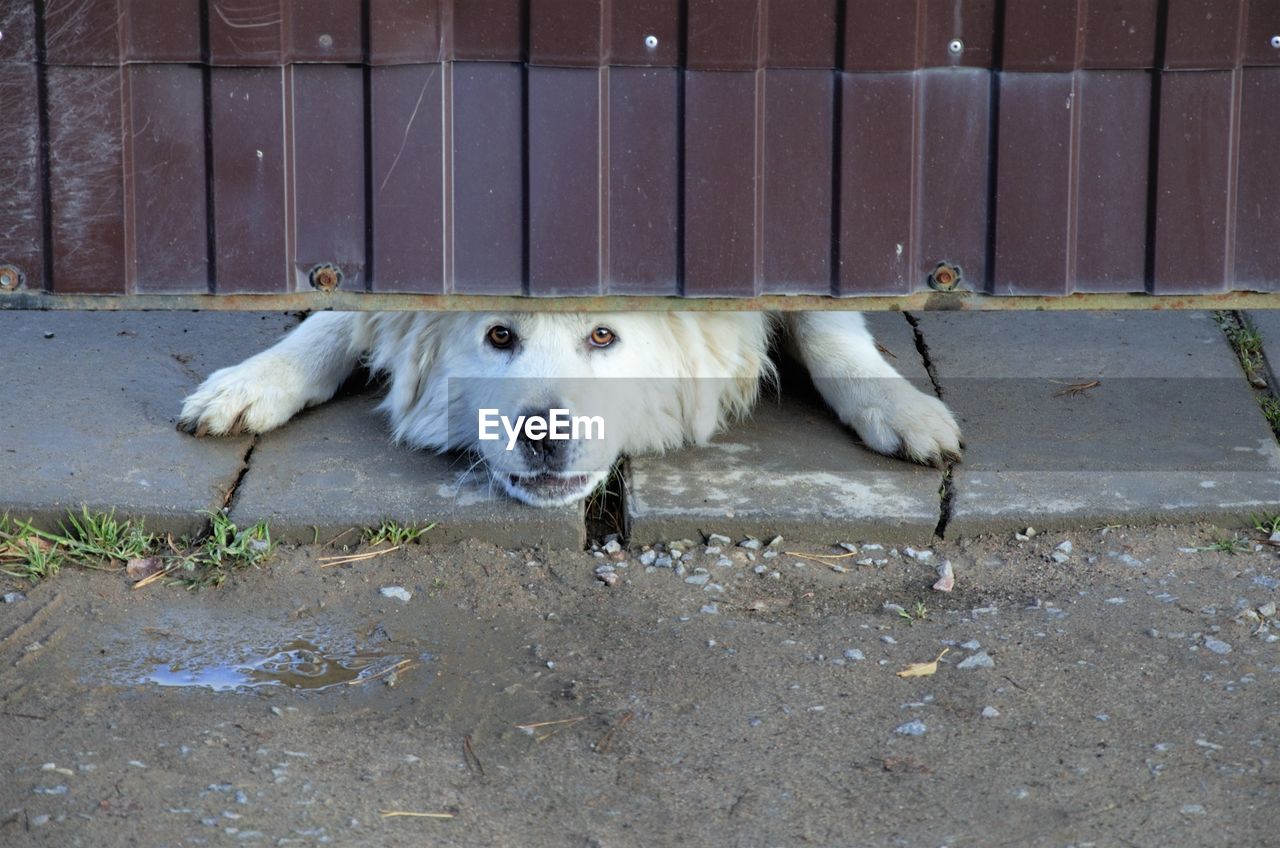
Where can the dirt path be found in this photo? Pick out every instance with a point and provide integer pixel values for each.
(1135, 705)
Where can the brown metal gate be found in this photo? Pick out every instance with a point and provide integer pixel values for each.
(165, 150)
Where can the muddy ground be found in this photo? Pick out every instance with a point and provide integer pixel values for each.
(1136, 705)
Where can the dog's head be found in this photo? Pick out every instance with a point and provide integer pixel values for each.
(550, 401)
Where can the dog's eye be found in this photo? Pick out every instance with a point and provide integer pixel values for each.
(602, 337)
(501, 337)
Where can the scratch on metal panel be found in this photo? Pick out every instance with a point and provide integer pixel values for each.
(84, 154)
(407, 127)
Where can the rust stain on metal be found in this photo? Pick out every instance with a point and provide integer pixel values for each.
(325, 277)
(945, 277)
(11, 277)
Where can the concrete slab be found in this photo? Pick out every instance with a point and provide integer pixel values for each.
(90, 405)
(334, 467)
(792, 469)
(1170, 432)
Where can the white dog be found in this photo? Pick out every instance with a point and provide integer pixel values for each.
(652, 380)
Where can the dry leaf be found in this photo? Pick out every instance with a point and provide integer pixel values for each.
(137, 569)
(923, 669)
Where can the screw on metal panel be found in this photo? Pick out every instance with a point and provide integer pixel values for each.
(326, 41)
(1275, 41)
(11, 277)
(945, 277)
(651, 41)
(955, 47)
(325, 277)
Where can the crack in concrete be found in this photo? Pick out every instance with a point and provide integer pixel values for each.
(1264, 393)
(946, 492)
(228, 500)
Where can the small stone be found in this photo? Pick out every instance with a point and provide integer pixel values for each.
(710, 609)
(717, 539)
(1131, 561)
(971, 645)
(865, 561)
(946, 577)
(713, 587)
(1217, 645)
(40, 820)
(400, 593)
(608, 578)
(760, 569)
(1267, 610)
(1030, 532)
(1059, 557)
(990, 712)
(712, 550)
(888, 640)
(1117, 601)
(774, 542)
(893, 609)
(1192, 809)
(775, 575)
(756, 722)
(848, 547)
(648, 557)
(697, 579)
(871, 547)
(921, 556)
(911, 728)
(601, 569)
(60, 789)
(1021, 537)
(612, 546)
(1066, 547)
(770, 554)
(979, 660)
(839, 569)
(854, 654)
(750, 544)
(663, 561)
(724, 562)
(14, 597)
(241, 797)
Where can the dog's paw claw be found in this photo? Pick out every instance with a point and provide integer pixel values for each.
(254, 396)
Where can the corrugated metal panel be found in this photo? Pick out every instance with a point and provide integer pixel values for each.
(649, 147)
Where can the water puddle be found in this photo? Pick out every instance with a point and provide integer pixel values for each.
(297, 664)
(198, 650)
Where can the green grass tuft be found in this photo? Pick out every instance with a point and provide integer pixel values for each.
(394, 533)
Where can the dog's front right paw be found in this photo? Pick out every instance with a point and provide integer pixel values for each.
(257, 395)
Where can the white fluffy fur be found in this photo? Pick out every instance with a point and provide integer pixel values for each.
(670, 379)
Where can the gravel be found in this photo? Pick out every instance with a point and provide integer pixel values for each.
(710, 609)
(14, 597)
(911, 728)
(854, 654)
(979, 660)
(697, 579)
(750, 544)
(1217, 645)
(990, 712)
(400, 593)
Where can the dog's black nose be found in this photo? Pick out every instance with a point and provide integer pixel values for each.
(544, 445)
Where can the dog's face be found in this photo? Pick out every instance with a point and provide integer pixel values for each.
(550, 401)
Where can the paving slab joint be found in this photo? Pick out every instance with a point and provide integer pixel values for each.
(946, 492)
(229, 499)
(1245, 340)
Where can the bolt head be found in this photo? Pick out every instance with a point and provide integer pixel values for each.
(955, 47)
(651, 41)
(1275, 41)
(326, 41)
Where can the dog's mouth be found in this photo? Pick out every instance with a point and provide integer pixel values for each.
(550, 488)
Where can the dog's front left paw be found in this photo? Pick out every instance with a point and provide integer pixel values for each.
(257, 395)
(907, 422)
